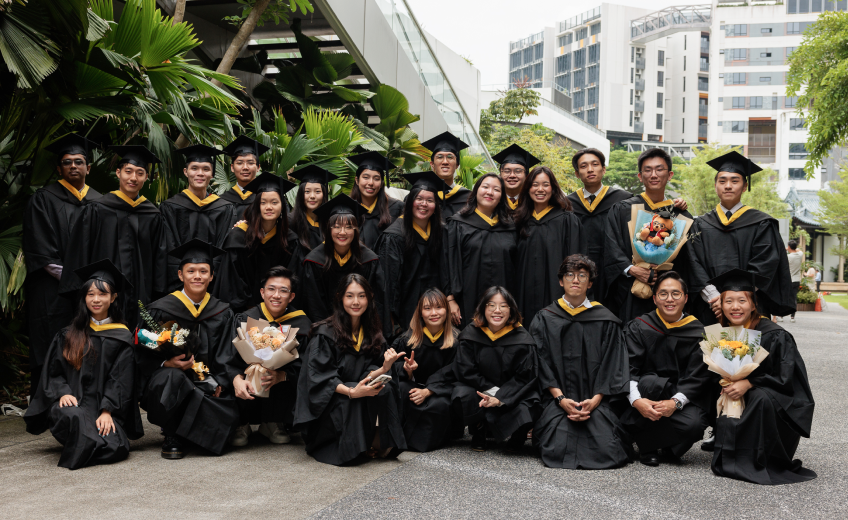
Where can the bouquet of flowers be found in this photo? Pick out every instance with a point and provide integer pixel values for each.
(656, 240)
(733, 353)
(264, 348)
(171, 340)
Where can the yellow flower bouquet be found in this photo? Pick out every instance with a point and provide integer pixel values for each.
(733, 353)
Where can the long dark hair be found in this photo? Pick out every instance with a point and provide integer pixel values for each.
(339, 321)
(253, 216)
(480, 311)
(501, 209)
(77, 339)
(382, 207)
(526, 207)
(330, 248)
(434, 244)
(297, 219)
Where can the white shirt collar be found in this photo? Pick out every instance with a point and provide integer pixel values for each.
(189, 298)
(101, 322)
(732, 210)
(238, 186)
(586, 303)
(587, 193)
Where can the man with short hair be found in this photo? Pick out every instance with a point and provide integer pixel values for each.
(444, 162)
(515, 163)
(244, 154)
(796, 260)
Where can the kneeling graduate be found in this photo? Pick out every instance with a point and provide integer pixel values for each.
(190, 397)
(274, 413)
(583, 363)
(85, 394)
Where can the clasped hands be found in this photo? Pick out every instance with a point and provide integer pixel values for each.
(654, 410)
(579, 412)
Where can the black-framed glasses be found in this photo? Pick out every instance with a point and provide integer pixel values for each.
(75, 162)
(675, 295)
(580, 276)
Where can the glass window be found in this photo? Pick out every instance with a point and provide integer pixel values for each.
(596, 29)
(735, 78)
(737, 54)
(790, 101)
(582, 34)
(632, 54)
(631, 75)
(738, 127)
(580, 58)
(595, 53)
(790, 50)
(684, 63)
(704, 84)
(684, 84)
(592, 96)
(631, 96)
(736, 30)
(797, 151)
(756, 102)
(538, 51)
(515, 60)
(594, 74)
(738, 102)
(659, 99)
(797, 174)
(537, 71)
(684, 104)
(796, 123)
(793, 28)
(528, 55)
(765, 55)
(659, 121)
(631, 118)
(765, 79)
(592, 115)
(661, 58)
(792, 6)
(660, 79)
(765, 30)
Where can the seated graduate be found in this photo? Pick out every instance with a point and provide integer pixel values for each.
(759, 446)
(410, 250)
(274, 413)
(85, 395)
(496, 360)
(244, 154)
(342, 418)
(256, 244)
(426, 377)
(582, 363)
(669, 381)
(369, 189)
(190, 397)
(313, 190)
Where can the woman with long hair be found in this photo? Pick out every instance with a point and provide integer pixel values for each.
(343, 417)
(759, 446)
(548, 232)
(86, 395)
(496, 360)
(369, 189)
(256, 244)
(410, 250)
(313, 190)
(480, 248)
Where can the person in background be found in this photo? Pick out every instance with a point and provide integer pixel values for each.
(796, 260)
(817, 276)
(444, 162)
(244, 153)
(369, 189)
(515, 162)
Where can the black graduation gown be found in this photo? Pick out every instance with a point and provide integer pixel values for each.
(103, 382)
(551, 239)
(170, 397)
(185, 221)
(237, 280)
(665, 361)
(319, 285)
(278, 407)
(454, 201)
(49, 217)
(759, 446)
(619, 254)
(752, 243)
(594, 221)
(427, 426)
(133, 238)
(315, 239)
(240, 203)
(583, 355)
(477, 256)
(337, 429)
(508, 363)
(408, 273)
(369, 228)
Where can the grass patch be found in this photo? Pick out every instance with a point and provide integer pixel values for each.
(839, 299)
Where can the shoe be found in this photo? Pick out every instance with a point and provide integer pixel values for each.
(792, 319)
(650, 458)
(709, 444)
(780, 318)
(240, 436)
(172, 448)
(478, 442)
(276, 432)
(668, 456)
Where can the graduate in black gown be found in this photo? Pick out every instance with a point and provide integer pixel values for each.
(444, 162)
(126, 228)
(340, 255)
(186, 407)
(312, 191)
(480, 249)
(760, 446)
(736, 236)
(369, 189)
(514, 162)
(49, 217)
(496, 360)
(548, 231)
(274, 414)
(583, 363)
(253, 246)
(426, 375)
(654, 172)
(591, 205)
(410, 250)
(194, 212)
(669, 382)
(342, 418)
(86, 394)
(244, 155)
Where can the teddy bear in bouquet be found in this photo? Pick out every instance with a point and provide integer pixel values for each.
(658, 229)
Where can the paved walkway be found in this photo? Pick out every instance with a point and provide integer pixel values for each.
(269, 481)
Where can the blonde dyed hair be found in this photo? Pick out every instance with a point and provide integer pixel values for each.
(435, 298)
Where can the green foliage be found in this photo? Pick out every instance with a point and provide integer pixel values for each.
(278, 10)
(511, 107)
(833, 214)
(622, 170)
(470, 168)
(806, 295)
(555, 153)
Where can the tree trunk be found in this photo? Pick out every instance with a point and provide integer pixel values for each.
(179, 12)
(840, 277)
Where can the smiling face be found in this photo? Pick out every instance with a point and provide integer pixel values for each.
(277, 295)
(199, 174)
(670, 299)
(489, 195)
(369, 183)
(270, 206)
(98, 302)
(444, 165)
(131, 179)
(245, 167)
(576, 284)
(343, 232)
(433, 314)
(195, 277)
(738, 307)
(73, 167)
(424, 205)
(541, 189)
(355, 300)
(513, 176)
(497, 312)
(729, 187)
(590, 169)
(313, 195)
(655, 174)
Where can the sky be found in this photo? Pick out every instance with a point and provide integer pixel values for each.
(481, 30)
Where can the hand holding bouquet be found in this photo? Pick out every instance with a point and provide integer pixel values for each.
(656, 240)
(733, 353)
(264, 348)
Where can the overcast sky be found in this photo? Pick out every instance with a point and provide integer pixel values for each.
(481, 30)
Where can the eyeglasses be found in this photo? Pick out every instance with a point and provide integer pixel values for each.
(75, 162)
(283, 291)
(658, 171)
(509, 171)
(675, 295)
(580, 276)
(494, 306)
(444, 157)
(342, 228)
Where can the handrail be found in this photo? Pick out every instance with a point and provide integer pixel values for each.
(548, 104)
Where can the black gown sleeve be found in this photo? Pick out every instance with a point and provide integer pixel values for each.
(40, 242)
(223, 353)
(465, 367)
(316, 303)
(523, 380)
(51, 387)
(318, 380)
(390, 250)
(119, 395)
(617, 256)
(612, 376)
(547, 365)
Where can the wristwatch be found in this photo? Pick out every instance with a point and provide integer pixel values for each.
(677, 404)
(560, 398)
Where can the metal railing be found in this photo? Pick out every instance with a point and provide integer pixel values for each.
(705, 67)
(702, 131)
(696, 15)
(639, 106)
(639, 127)
(578, 20)
(705, 47)
(524, 42)
(703, 110)
(572, 117)
(639, 84)
(640, 63)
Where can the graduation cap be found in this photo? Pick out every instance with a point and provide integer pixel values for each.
(195, 251)
(105, 271)
(339, 205)
(71, 144)
(735, 162)
(270, 182)
(136, 155)
(445, 142)
(515, 154)
(313, 173)
(200, 153)
(373, 161)
(427, 180)
(738, 280)
(244, 145)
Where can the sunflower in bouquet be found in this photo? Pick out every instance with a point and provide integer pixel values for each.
(170, 340)
(733, 353)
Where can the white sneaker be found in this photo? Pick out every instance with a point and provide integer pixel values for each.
(276, 432)
(240, 437)
(779, 318)
(792, 320)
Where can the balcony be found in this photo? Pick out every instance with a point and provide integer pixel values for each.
(670, 20)
(705, 67)
(640, 63)
(705, 47)
(703, 110)
(639, 106)
(702, 131)
(639, 84)
(639, 127)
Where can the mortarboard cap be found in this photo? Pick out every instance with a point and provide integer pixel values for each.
(339, 205)
(427, 180)
(445, 142)
(738, 280)
(136, 155)
(373, 161)
(104, 270)
(515, 154)
(244, 145)
(313, 173)
(71, 144)
(735, 162)
(195, 251)
(270, 182)
(200, 153)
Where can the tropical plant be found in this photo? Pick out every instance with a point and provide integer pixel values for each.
(543, 143)
(470, 168)
(512, 106)
(833, 216)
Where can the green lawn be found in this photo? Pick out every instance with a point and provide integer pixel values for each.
(839, 298)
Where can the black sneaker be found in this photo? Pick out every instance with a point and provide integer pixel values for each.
(709, 444)
(172, 448)
(650, 458)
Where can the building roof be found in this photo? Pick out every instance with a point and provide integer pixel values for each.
(804, 205)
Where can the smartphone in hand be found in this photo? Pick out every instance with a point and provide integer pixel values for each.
(380, 380)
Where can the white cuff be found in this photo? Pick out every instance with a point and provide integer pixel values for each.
(709, 292)
(634, 393)
(627, 269)
(680, 397)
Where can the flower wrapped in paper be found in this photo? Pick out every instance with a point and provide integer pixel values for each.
(264, 347)
(170, 340)
(657, 238)
(733, 353)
